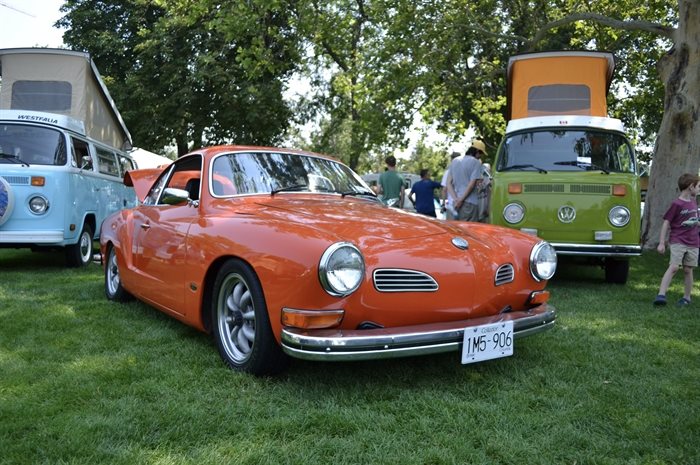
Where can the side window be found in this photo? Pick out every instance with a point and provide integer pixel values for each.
(125, 164)
(107, 162)
(154, 193)
(184, 174)
(80, 151)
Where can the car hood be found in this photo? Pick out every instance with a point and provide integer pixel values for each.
(142, 180)
(349, 217)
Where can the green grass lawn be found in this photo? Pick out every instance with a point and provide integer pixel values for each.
(87, 381)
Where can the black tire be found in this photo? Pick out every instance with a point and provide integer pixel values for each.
(241, 324)
(617, 270)
(80, 253)
(113, 283)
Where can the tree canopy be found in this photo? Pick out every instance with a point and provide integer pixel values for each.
(192, 72)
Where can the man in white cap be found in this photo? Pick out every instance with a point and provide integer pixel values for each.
(465, 173)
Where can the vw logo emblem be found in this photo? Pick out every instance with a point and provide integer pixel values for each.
(460, 243)
(566, 214)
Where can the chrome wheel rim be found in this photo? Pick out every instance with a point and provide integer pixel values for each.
(85, 247)
(113, 280)
(236, 318)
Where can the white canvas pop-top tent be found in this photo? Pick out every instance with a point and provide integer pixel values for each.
(63, 82)
(146, 159)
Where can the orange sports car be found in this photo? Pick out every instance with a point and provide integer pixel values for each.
(280, 253)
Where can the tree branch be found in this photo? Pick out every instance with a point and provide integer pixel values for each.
(637, 25)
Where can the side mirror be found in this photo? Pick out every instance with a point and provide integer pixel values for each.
(86, 162)
(173, 196)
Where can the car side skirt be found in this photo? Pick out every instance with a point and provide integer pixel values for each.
(406, 341)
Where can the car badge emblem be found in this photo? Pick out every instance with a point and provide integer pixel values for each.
(566, 214)
(460, 243)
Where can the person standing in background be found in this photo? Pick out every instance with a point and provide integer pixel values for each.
(448, 201)
(422, 194)
(391, 184)
(462, 181)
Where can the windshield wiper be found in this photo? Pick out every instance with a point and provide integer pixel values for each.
(356, 193)
(583, 165)
(293, 187)
(522, 167)
(13, 159)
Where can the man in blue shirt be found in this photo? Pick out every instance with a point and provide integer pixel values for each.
(422, 194)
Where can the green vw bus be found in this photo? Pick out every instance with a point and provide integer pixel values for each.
(564, 171)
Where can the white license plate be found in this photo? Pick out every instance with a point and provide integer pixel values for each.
(487, 342)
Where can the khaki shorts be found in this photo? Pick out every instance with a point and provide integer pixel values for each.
(681, 254)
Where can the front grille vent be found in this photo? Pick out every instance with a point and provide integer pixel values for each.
(17, 180)
(590, 189)
(504, 274)
(398, 280)
(537, 188)
(563, 188)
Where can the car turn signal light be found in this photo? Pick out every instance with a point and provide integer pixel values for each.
(311, 319)
(538, 298)
(515, 188)
(38, 181)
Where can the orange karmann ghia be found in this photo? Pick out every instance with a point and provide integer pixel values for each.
(280, 253)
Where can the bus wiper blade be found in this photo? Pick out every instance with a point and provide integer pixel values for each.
(522, 167)
(294, 187)
(13, 159)
(583, 165)
(596, 167)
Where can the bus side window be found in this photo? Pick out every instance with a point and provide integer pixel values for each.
(107, 162)
(81, 154)
(125, 164)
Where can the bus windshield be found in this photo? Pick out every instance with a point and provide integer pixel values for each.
(33, 145)
(567, 150)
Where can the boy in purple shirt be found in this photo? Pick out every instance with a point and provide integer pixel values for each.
(681, 219)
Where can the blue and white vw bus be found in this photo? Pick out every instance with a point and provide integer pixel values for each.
(56, 184)
(62, 152)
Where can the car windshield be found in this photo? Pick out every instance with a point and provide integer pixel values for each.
(32, 145)
(263, 172)
(567, 150)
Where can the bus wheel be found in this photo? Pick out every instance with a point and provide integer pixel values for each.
(80, 253)
(616, 270)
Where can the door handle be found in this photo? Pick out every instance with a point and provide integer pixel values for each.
(145, 226)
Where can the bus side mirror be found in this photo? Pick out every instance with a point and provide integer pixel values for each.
(86, 162)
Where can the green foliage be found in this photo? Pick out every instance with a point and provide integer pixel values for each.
(87, 381)
(191, 72)
(200, 71)
(425, 157)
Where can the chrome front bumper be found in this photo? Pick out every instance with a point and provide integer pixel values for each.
(597, 250)
(405, 341)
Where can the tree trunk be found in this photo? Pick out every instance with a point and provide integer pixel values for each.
(677, 148)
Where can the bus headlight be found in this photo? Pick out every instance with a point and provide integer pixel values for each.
(341, 269)
(513, 213)
(543, 261)
(619, 216)
(38, 205)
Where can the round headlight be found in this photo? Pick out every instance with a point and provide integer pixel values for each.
(38, 205)
(513, 213)
(619, 216)
(341, 269)
(543, 261)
